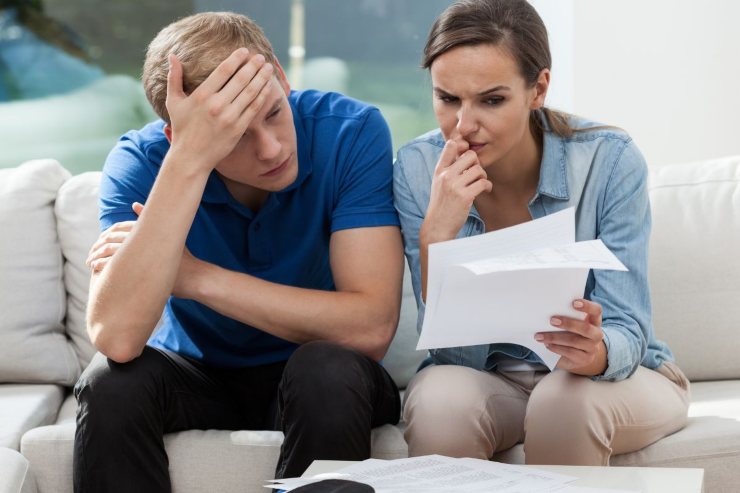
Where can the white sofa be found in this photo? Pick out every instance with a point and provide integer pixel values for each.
(48, 221)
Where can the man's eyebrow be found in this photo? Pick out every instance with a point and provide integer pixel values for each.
(274, 106)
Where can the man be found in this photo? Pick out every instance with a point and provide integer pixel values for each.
(268, 246)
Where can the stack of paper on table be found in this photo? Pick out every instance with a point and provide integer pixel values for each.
(505, 285)
(436, 473)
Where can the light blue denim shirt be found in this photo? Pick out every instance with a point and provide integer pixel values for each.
(604, 176)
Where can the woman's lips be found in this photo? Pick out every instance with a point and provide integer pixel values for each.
(476, 147)
(279, 169)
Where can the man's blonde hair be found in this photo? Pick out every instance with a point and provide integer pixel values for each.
(201, 42)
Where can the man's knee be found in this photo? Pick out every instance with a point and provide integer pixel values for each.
(111, 394)
(325, 367)
(327, 385)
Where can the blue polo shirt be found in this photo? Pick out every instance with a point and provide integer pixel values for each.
(344, 181)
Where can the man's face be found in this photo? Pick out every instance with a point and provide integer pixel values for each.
(266, 157)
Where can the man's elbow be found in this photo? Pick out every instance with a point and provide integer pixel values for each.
(118, 349)
(382, 336)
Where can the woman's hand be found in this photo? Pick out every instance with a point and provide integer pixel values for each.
(581, 342)
(458, 180)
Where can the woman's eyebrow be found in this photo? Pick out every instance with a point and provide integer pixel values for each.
(494, 89)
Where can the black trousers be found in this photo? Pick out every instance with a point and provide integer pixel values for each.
(325, 399)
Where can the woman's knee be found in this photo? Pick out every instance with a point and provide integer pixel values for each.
(446, 412)
(565, 423)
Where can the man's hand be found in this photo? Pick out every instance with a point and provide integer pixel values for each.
(207, 124)
(111, 240)
(581, 343)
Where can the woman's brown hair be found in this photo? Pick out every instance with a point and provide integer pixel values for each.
(513, 25)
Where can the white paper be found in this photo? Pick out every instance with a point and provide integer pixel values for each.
(505, 286)
(434, 473)
(586, 489)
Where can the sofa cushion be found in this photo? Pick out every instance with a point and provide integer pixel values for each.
(200, 460)
(694, 268)
(14, 473)
(77, 128)
(402, 359)
(23, 407)
(33, 345)
(76, 212)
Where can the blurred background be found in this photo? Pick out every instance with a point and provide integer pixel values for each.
(663, 70)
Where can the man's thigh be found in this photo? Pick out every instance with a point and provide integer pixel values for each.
(178, 392)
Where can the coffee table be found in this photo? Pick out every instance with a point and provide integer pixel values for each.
(643, 479)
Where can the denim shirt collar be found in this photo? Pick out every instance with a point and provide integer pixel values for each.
(553, 170)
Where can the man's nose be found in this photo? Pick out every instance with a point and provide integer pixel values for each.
(268, 146)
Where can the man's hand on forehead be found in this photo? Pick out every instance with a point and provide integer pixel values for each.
(207, 124)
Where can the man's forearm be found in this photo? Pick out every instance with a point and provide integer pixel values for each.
(128, 296)
(358, 320)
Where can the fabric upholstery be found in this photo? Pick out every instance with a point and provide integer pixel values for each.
(33, 345)
(402, 358)
(694, 272)
(14, 473)
(78, 227)
(23, 407)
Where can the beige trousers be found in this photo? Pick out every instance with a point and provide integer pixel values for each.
(561, 418)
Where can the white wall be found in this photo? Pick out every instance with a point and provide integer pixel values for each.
(667, 71)
(559, 17)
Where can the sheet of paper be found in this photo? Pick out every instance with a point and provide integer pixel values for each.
(505, 286)
(586, 489)
(435, 473)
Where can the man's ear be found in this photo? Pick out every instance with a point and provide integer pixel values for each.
(282, 79)
(168, 132)
(541, 86)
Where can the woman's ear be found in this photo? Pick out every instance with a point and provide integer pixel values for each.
(540, 87)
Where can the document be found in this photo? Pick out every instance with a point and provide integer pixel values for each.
(504, 286)
(434, 473)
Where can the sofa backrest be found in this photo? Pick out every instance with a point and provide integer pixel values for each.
(695, 265)
(33, 343)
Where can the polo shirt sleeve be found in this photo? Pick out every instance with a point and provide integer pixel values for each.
(365, 183)
(127, 178)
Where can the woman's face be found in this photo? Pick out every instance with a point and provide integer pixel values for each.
(480, 97)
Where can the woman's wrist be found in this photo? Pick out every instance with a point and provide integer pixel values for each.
(428, 234)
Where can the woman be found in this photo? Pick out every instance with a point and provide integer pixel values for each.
(501, 158)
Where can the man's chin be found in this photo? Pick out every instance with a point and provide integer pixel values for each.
(290, 177)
